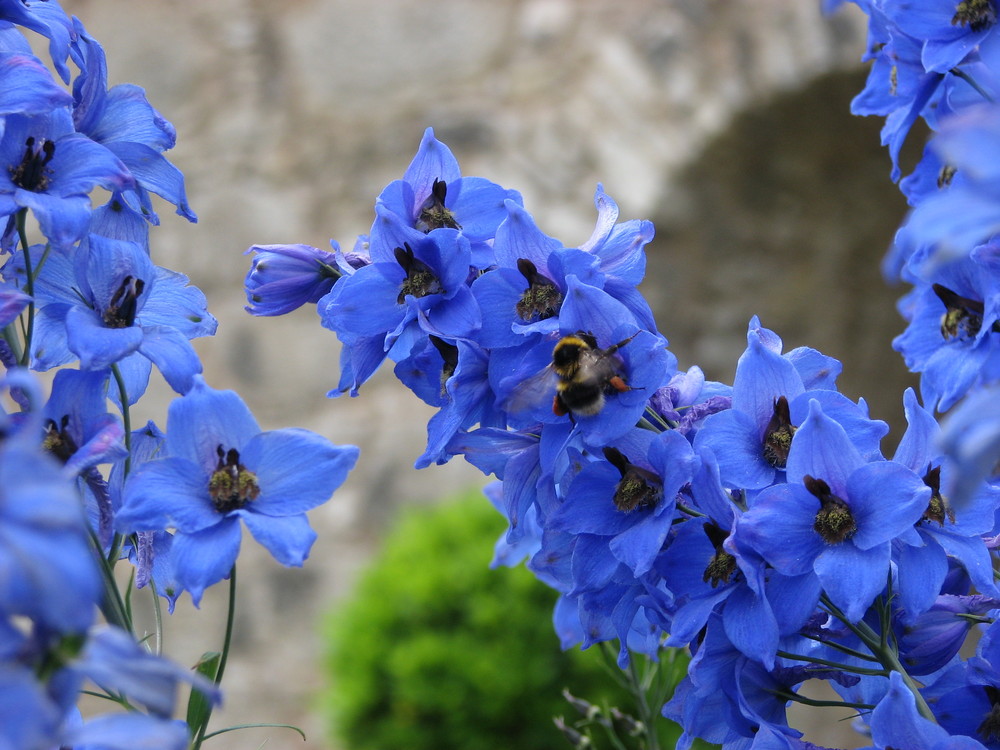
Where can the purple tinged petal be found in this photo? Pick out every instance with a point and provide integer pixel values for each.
(296, 470)
(287, 538)
(638, 545)
(155, 173)
(896, 722)
(364, 305)
(921, 571)
(749, 623)
(173, 302)
(918, 446)
(762, 376)
(27, 86)
(607, 215)
(519, 237)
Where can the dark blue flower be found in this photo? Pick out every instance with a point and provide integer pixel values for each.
(837, 515)
(951, 339)
(770, 397)
(282, 278)
(392, 304)
(220, 469)
(433, 195)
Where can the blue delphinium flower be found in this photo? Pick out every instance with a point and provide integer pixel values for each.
(836, 516)
(433, 195)
(387, 305)
(770, 396)
(282, 278)
(219, 469)
(944, 532)
(111, 305)
(952, 338)
(963, 213)
(49, 168)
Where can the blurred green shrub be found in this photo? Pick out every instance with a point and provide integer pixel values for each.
(436, 651)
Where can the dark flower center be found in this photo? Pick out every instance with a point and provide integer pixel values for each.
(121, 311)
(989, 729)
(449, 353)
(33, 173)
(637, 488)
(542, 299)
(433, 214)
(722, 566)
(778, 435)
(57, 439)
(231, 486)
(945, 176)
(938, 508)
(978, 15)
(834, 522)
(963, 317)
(420, 280)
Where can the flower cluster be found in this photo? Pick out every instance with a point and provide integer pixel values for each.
(759, 524)
(80, 491)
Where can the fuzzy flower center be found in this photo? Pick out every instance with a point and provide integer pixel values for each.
(542, 299)
(433, 214)
(420, 280)
(57, 439)
(637, 488)
(32, 173)
(722, 566)
(124, 303)
(834, 523)
(778, 435)
(978, 15)
(231, 485)
(938, 508)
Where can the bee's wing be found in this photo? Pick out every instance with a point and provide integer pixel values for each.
(531, 391)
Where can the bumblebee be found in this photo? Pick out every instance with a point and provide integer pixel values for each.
(583, 375)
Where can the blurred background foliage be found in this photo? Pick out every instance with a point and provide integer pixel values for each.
(436, 651)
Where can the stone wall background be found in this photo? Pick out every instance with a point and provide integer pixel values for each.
(725, 121)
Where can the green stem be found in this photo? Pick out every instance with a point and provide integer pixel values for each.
(833, 664)
(29, 284)
(112, 605)
(639, 688)
(226, 643)
(887, 656)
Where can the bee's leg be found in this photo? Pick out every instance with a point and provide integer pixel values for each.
(558, 407)
(619, 384)
(620, 344)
